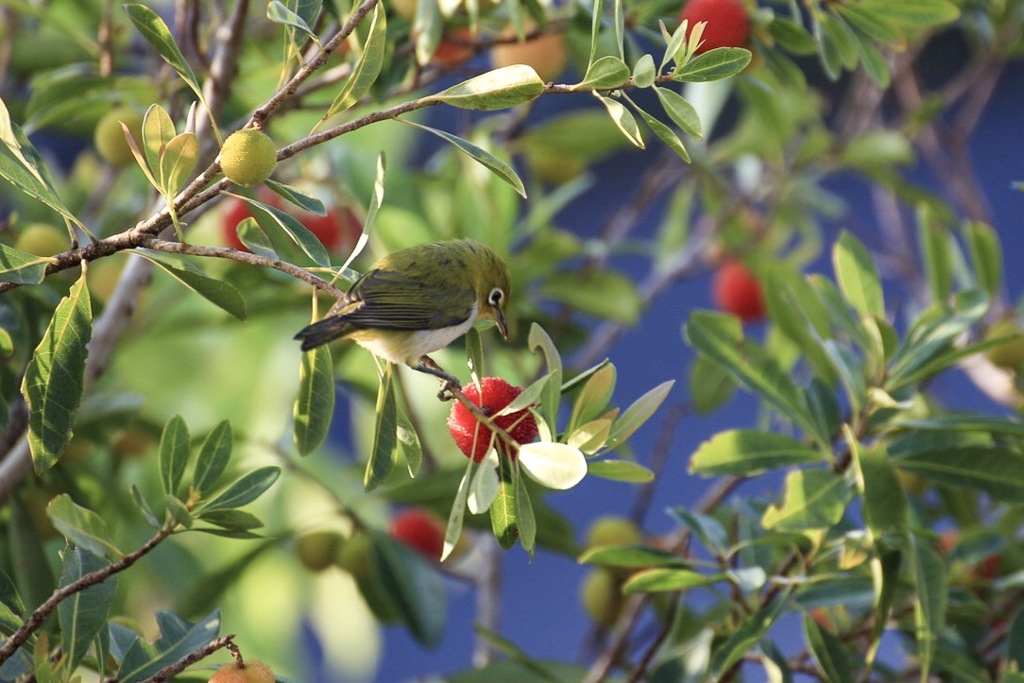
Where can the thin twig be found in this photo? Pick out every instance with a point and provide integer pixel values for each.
(169, 672)
(36, 619)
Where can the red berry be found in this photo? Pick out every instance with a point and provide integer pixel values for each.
(455, 47)
(337, 231)
(728, 24)
(735, 290)
(235, 212)
(473, 438)
(419, 530)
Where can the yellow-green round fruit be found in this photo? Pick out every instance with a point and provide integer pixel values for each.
(356, 556)
(403, 8)
(316, 550)
(42, 239)
(601, 596)
(248, 157)
(545, 53)
(1009, 354)
(255, 671)
(109, 136)
(613, 530)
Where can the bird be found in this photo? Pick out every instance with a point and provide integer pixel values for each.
(415, 301)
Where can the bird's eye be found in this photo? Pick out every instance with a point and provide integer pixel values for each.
(495, 296)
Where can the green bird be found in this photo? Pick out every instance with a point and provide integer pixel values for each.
(418, 300)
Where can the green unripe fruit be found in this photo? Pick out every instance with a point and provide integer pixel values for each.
(316, 550)
(601, 596)
(109, 136)
(612, 530)
(355, 555)
(42, 239)
(1009, 354)
(254, 671)
(248, 157)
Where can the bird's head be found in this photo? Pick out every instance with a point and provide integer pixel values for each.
(492, 284)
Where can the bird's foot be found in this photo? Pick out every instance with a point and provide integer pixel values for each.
(448, 382)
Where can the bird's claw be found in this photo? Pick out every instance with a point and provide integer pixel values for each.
(448, 388)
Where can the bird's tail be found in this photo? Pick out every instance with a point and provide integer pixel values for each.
(323, 331)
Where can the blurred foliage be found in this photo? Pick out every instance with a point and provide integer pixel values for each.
(150, 389)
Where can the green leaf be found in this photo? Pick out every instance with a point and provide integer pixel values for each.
(605, 74)
(622, 119)
(80, 526)
(314, 404)
(409, 442)
(644, 72)
(82, 615)
(986, 255)
(293, 229)
(213, 458)
(238, 520)
(175, 444)
(592, 436)
(792, 36)
(745, 638)
(243, 490)
(177, 162)
(857, 276)
(665, 134)
(720, 337)
(885, 574)
(629, 557)
(415, 587)
(11, 606)
(554, 465)
(935, 252)
(621, 470)
(749, 452)
(157, 132)
(155, 31)
(54, 378)
(714, 65)
(1015, 640)
(593, 399)
(638, 413)
(278, 13)
(884, 504)
(930, 582)
(914, 13)
(663, 580)
(603, 293)
(501, 88)
(682, 113)
(367, 68)
(177, 640)
(478, 154)
(22, 167)
(876, 25)
(812, 499)
(503, 509)
(829, 652)
(22, 268)
(526, 521)
(994, 470)
(711, 385)
(298, 197)
(385, 433)
(218, 292)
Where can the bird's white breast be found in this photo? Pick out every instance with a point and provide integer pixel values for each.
(407, 348)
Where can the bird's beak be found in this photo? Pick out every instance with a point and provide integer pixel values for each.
(499, 319)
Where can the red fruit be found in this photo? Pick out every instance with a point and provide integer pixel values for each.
(419, 530)
(337, 231)
(235, 212)
(728, 24)
(455, 48)
(473, 438)
(735, 290)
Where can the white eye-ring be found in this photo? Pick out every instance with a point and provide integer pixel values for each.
(495, 297)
